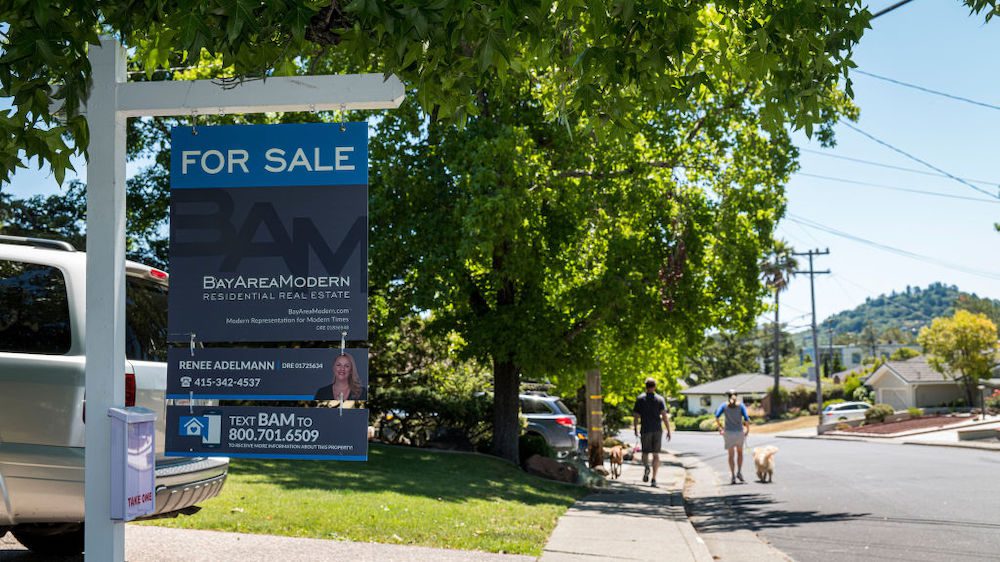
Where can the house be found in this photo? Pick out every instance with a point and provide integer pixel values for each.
(913, 383)
(752, 387)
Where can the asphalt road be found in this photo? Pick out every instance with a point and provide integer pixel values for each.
(847, 501)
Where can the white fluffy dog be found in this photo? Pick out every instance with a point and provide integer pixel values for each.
(763, 459)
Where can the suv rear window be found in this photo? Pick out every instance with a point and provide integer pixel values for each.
(562, 408)
(34, 309)
(145, 320)
(530, 406)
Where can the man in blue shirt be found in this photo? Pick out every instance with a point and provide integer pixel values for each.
(734, 432)
(650, 408)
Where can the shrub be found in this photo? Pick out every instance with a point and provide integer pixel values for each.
(758, 421)
(832, 392)
(842, 426)
(862, 394)
(707, 425)
(878, 413)
(429, 412)
(914, 412)
(690, 423)
(851, 383)
(812, 409)
(834, 401)
(993, 400)
(612, 442)
(531, 444)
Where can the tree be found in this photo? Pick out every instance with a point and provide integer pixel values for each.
(777, 271)
(603, 58)
(963, 347)
(724, 355)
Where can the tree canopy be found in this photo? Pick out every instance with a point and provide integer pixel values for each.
(963, 346)
(602, 58)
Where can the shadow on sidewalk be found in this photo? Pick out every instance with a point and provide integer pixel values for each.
(632, 502)
(754, 512)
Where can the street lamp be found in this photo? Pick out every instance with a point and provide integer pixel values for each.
(982, 399)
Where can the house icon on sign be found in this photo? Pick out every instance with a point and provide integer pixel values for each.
(194, 426)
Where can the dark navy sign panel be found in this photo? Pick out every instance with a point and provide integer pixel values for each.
(267, 433)
(265, 374)
(318, 154)
(269, 233)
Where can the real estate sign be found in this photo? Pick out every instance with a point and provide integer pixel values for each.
(269, 233)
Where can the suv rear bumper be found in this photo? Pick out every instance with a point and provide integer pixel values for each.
(180, 486)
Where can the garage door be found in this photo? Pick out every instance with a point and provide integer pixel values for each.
(898, 398)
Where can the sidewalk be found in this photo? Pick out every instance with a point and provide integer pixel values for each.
(630, 521)
(162, 544)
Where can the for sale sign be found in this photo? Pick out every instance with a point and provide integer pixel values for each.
(269, 233)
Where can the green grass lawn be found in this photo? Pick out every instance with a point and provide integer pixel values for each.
(401, 495)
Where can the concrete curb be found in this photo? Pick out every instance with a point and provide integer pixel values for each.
(957, 445)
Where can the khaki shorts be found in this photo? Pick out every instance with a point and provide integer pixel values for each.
(651, 442)
(733, 439)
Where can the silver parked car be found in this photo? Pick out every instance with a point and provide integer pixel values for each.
(548, 417)
(42, 410)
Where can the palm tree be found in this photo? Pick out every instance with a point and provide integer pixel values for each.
(777, 270)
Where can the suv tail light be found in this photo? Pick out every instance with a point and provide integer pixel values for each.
(129, 394)
(129, 389)
(565, 421)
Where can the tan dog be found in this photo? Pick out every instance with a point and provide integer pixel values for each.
(616, 457)
(763, 459)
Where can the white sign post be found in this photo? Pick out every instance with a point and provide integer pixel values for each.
(110, 102)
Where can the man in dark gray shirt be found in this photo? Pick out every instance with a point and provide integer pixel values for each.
(650, 408)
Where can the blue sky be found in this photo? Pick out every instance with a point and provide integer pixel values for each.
(932, 43)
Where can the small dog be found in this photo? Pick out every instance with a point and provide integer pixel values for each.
(615, 459)
(763, 459)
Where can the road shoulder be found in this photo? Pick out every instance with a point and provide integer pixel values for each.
(718, 523)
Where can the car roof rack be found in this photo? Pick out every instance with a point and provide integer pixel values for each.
(39, 242)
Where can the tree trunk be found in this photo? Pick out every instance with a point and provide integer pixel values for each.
(776, 392)
(506, 388)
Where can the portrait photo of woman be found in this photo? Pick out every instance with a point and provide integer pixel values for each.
(346, 381)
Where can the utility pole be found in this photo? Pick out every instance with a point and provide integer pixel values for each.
(812, 292)
(830, 355)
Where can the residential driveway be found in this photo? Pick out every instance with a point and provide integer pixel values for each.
(857, 501)
(160, 544)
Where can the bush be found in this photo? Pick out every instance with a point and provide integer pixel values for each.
(429, 413)
(690, 423)
(708, 425)
(758, 421)
(862, 394)
(612, 442)
(914, 412)
(878, 413)
(812, 409)
(993, 400)
(834, 401)
(832, 392)
(531, 444)
(851, 383)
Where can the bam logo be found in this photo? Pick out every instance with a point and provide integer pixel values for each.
(204, 223)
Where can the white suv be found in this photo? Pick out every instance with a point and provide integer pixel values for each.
(42, 413)
(845, 411)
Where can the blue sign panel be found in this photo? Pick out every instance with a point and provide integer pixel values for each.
(267, 374)
(267, 433)
(269, 233)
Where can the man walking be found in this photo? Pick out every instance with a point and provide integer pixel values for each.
(650, 408)
(734, 433)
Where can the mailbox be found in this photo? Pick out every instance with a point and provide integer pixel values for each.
(133, 462)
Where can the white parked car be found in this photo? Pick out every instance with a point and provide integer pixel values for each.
(845, 411)
(42, 412)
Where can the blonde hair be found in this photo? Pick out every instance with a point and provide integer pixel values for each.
(354, 382)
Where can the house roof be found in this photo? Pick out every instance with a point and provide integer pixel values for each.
(745, 383)
(915, 370)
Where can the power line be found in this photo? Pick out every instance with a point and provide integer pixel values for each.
(903, 189)
(890, 8)
(915, 159)
(929, 91)
(890, 166)
(892, 249)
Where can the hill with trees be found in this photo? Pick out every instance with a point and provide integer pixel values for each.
(898, 316)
